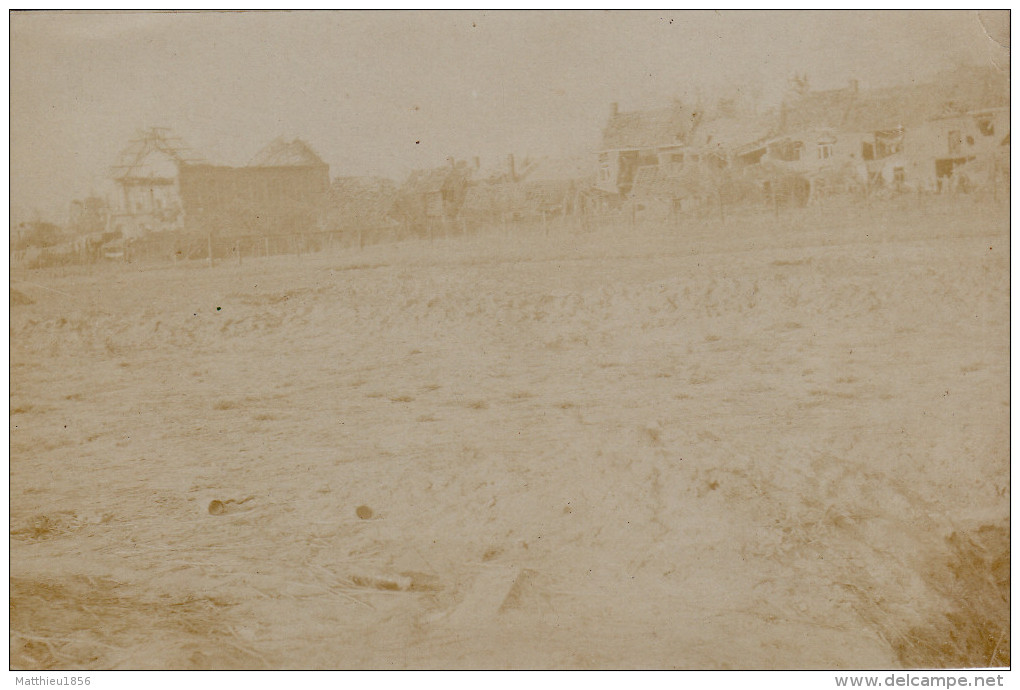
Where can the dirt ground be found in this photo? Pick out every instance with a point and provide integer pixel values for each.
(743, 443)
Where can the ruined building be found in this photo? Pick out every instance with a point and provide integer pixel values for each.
(162, 187)
(146, 174)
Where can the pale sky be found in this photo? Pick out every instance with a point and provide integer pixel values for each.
(362, 88)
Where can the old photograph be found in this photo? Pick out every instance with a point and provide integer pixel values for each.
(585, 340)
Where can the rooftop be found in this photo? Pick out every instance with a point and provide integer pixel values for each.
(281, 153)
(649, 128)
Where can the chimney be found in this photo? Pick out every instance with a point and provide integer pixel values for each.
(614, 109)
(511, 171)
(478, 163)
(854, 86)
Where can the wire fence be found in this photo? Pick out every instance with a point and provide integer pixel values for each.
(670, 215)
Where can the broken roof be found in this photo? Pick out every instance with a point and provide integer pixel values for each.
(955, 92)
(650, 128)
(153, 153)
(282, 153)
(729, 134)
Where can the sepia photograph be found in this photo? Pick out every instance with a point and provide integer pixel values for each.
(510, 341)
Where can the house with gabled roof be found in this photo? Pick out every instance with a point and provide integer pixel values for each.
(282, 190)
(431, 198)
(644, 138)
(672, 158)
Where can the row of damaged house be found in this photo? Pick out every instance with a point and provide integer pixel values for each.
(949, 134)
(675, 158)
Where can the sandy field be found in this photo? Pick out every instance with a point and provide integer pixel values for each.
(757, 443)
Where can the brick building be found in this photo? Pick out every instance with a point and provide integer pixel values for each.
(282, 190)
